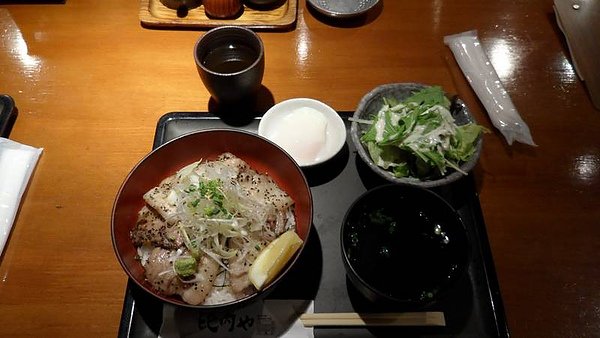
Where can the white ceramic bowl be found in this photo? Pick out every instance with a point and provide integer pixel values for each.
(309, 130)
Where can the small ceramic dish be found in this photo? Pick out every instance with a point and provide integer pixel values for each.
(342, 8)
(309, 130)
(372, 102)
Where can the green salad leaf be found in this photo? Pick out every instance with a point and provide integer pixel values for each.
(418, 137)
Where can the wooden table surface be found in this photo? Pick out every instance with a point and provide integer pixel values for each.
(90, 83)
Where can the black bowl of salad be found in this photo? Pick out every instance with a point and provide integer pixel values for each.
(414, 134)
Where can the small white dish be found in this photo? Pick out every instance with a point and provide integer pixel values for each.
(342, 8)
(308, 129)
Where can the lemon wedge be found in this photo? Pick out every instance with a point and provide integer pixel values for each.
(273, 258)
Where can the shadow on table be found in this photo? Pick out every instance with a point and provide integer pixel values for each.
(244, 112)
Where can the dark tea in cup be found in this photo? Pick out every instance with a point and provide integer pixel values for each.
(231, 58)
(230, 61)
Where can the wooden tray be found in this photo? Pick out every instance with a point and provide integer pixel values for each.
(154, 14)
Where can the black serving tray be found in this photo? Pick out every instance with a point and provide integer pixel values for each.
(473, 308)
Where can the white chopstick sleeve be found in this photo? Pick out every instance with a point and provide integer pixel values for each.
(484, 80)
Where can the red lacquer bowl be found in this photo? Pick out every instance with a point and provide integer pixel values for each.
(261, 154)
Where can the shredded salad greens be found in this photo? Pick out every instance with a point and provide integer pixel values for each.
(418, 137)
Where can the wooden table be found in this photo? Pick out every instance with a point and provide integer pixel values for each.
(90, 84)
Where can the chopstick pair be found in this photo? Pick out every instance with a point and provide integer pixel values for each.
(433, 318)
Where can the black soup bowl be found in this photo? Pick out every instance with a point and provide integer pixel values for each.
(403, 245)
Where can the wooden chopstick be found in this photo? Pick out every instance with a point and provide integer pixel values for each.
(374, 319)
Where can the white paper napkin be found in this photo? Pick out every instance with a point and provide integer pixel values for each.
(17, 162)
(268, 319)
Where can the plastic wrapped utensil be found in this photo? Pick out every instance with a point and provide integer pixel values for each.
(17, 162)
(484, 80)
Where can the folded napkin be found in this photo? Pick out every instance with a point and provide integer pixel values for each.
(484, 80)
(17, 162)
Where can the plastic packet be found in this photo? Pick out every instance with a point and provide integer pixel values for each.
(484, 80)
(17, 162)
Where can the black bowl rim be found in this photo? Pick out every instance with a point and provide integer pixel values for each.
(375, 93)
(445, 286)
(240, 301)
